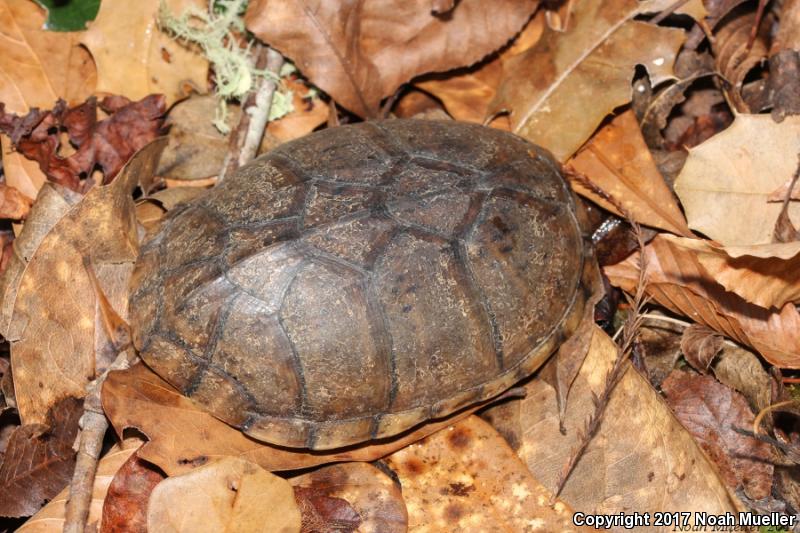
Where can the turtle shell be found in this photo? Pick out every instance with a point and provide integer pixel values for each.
(356, 282)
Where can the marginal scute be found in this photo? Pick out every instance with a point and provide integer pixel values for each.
(354, 283)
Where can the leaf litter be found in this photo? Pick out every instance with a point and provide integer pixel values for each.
(674, 136)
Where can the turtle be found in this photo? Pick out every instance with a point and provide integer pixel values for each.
(357, 282)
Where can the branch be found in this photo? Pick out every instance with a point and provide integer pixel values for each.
(246, 138)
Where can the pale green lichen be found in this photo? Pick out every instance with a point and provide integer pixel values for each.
(218, 35)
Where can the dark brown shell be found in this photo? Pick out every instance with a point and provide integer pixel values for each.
(358, 281)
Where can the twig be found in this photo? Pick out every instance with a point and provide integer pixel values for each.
(246, 138)
(93, 429)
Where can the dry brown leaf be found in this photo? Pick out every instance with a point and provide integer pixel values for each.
(55, 341)
(362, 51)
(767, 275)
(466, 93)
(618, 161)
(51, 518)
(560, 90)
(467, 478)
(640, 458)
(726, 182)
(677, 280)
(744, 371)
(125, 505)
(230, 494)
(39, 460)
(36, 68)
(183, 436)
(700, 345)
(736, 56)
(351, 497)
(134, 58)
(711, 412)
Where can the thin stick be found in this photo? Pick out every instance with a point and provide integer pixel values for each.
(93, 429)
(246, 138)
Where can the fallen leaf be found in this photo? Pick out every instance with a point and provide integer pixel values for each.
(125, 504)
(37, 67)
(39, 460)
(735, 172)
(466, 92)
(360, 52)
(743, 371)
(559, 91)
(108, 143)
(640, 457)
(736, 56)
(183, 436)
(467, 478)
(350, 497)
(54, 342)
(50, 519)
(13, 204)
(134, 58)
(618, 161)
(226, 495)
(767, 275)
(677, 280)
(711, 411)
(700, 345)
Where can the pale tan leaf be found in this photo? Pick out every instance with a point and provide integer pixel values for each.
(677, 280)
(640, 458)
(767, 275)
(361, 51)
(55, 342)
(36, 68)
(560, 90)
(134, 58)
(618, 161)
(227, 495)
(727, 181)
(467, 478)
(50, 519)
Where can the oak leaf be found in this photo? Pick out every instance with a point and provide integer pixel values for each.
(711, 412)
(559, 90)
(734, 173)
(57, 343)
(640, 456)
(677, 280)
(360, 52)
(39, 460)
(230, 494)
(37, 67)
(107, 144)
(618, 161)
(183, 436)
(134, 58)
(467, 478)
(50, 519)
(767, 275)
